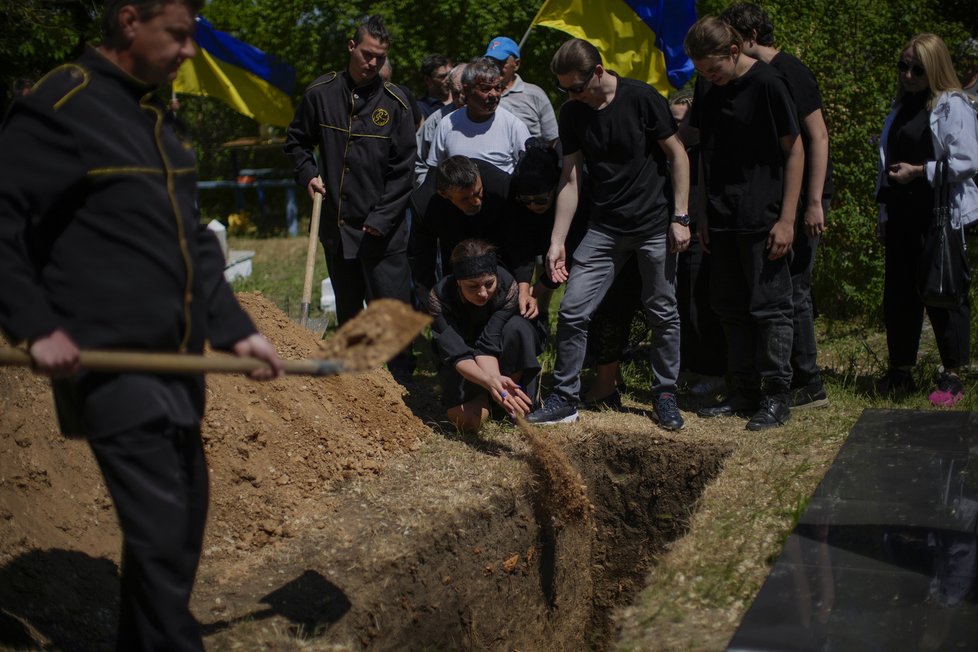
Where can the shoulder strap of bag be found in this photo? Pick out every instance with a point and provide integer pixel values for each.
(942, 194)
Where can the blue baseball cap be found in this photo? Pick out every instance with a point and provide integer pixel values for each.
(501, 47)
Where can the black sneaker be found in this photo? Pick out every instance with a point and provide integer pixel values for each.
(774, 412)
(809, 396)
(555, 409)
(736, 403)
(666, 412)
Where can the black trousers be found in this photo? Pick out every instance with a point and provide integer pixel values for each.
(752, 297)
(804, 351)
(522, 345)
(903, 311)
(702, 343)
(157, 477)
(372, 275)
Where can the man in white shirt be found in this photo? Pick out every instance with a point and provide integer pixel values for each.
(482, 130)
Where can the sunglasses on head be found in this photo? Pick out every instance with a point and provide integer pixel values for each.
(534, 200)
(579, 88)
(904, 66)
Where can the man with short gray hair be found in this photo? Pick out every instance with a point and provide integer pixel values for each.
(482, 130)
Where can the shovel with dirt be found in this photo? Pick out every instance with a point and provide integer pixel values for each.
(373, 337)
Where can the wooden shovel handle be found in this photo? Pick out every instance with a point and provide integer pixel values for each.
(176, 363)
(317, 209)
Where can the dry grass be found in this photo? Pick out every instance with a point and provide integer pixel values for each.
(278, 271)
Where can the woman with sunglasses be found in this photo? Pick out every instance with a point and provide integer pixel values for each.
(488, 351)
(931, 120)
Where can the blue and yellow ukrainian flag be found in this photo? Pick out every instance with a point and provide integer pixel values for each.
(250, 81)
(641, 39)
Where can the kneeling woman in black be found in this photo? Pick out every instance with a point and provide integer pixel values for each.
(486, 348)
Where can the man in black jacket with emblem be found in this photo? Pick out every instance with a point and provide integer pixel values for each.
(101, 247)
(364, 130)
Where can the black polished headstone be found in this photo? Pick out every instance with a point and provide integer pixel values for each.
(885, 556)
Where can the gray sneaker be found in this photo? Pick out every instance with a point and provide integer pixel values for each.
(555, 409)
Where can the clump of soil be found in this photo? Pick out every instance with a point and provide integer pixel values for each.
(564, 491)
(375, 335)
(278, 449)
(275, 450)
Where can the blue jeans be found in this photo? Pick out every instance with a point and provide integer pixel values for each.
(597, 260)
(752, 297)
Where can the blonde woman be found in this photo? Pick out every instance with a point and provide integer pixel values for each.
(931, 120)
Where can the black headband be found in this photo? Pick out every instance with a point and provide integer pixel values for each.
(475, 266)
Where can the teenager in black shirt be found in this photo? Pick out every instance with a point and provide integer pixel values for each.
(752, 162)
(816, 193)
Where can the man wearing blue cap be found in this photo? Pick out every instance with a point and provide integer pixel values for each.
(526, 101)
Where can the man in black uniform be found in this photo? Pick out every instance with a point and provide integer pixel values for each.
(365, 133)
(463, 199)
(101, 247)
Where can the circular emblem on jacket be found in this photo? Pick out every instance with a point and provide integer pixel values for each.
(381, 117)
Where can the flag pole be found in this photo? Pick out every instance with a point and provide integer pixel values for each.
(532, 23)
(525, 36)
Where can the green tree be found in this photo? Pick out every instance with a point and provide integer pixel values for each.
(37, 35)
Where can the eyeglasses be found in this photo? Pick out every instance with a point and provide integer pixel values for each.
(916, 71)
(714, 69)
(534, 200)
(580, 87)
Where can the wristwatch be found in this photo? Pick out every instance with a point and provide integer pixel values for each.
(681, 219)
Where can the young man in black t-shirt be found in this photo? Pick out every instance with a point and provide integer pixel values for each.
(752, 163)
(757, 31)
(637, 186)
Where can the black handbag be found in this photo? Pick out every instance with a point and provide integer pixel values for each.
(943, 277)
